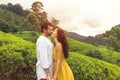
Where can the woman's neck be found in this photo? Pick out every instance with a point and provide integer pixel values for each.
(56, 41)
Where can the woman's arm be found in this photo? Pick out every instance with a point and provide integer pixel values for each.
(59, 58)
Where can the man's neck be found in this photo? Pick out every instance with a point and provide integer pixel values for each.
(43, 34)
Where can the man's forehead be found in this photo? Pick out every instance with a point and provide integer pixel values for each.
(49, 26)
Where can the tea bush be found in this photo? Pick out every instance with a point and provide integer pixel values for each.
(86, 68)
(18, 62)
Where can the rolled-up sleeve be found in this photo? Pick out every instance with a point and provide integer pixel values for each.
(43, 54)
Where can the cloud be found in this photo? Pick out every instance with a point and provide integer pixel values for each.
(92, 22)
(86, 17)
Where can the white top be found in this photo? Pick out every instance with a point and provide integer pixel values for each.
(44, 48)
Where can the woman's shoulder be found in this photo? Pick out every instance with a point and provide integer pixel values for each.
(58, 47)
(58, 44)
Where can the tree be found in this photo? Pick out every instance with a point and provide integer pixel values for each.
(10, 6)
(54, 21)
(18, 9)
(11, 22)
(94, 54)
(5, 27)
(25, 12)
(32, 18)
(25, 25)
(3, 6)
(37, 8)
(112, 38)
(43, 17)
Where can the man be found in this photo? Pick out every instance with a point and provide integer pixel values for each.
(44, 48)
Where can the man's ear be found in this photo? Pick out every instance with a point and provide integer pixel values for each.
(44, 30)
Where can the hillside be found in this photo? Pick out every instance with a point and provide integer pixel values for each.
(83, 48)
(100, 52)
(97, 40)
(17, 58)
(18, 61)
(111, 38)
(86, 68)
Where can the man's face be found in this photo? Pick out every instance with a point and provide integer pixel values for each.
(49, 30)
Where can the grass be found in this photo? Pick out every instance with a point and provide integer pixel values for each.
(27, 35)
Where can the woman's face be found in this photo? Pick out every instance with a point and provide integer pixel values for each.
(54, 33)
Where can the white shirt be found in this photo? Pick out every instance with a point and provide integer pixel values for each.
(44, 48)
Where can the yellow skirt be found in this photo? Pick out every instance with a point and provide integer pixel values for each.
(65, 72)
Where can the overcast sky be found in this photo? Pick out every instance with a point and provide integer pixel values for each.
(85, 17)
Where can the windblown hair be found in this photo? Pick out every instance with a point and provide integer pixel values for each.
(62, 39)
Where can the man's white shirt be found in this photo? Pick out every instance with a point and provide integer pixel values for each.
(44, 49)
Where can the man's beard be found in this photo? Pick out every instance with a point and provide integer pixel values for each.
(48, 34)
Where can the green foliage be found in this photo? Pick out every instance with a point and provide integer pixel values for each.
(17, 58)
(112, 38)
(94, 54)
(28, 35)
(11, 22)
(86, 68)
(55, 21)
(5, 27)
(32, 18)
(37, 9)
(83, 48)
(16, 8)
(14, 18)
(80, 47)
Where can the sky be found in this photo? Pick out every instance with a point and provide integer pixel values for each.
(85, 17)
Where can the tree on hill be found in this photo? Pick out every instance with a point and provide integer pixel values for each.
(55, 21)
(37, 9)
(112, 38)
(16, 8)
(32, 18)
(11, 22)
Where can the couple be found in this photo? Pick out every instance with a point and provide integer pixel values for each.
(51, 63)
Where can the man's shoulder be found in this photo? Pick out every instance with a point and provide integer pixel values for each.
(40, 38)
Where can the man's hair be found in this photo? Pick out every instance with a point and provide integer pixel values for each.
(45, 25)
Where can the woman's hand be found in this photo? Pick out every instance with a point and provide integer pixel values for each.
(48, 77)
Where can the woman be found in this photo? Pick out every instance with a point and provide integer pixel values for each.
(62, 70)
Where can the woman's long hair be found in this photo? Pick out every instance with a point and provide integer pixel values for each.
(62, 39)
